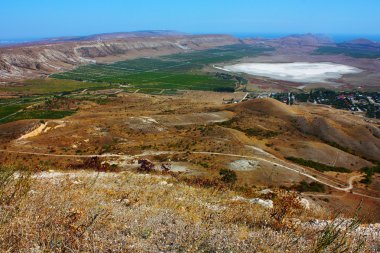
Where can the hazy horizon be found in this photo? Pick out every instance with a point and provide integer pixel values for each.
(336, 37)
(46, 19)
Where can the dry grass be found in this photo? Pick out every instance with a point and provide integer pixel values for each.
(127, 212)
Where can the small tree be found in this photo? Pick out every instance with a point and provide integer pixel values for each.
(228, 176)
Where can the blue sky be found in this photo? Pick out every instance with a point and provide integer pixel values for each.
(48, 18)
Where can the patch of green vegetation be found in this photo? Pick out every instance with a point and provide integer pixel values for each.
(260, 132)
(204, 164)
(228, 176)
(304, 186)
(37, 114)
(369, 173)
(221, 54)
(336, 145)
(10, 109)
(355, 52)
(174, 72)
(318, 166)
(48, 86)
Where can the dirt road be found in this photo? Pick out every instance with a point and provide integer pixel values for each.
(296, 169)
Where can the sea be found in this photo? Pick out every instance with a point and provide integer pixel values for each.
(9, 42)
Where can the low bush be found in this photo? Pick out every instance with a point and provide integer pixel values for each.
(304, 186)
(260, 132)
(369, 172)
(285, 205)
(228, 176)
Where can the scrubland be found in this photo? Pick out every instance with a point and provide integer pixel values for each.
(88, 211)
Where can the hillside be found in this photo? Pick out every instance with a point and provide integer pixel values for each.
(346, 134)
(43, 58)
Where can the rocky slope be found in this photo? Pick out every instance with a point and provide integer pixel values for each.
(27, 61)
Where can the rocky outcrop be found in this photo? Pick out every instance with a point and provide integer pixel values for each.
(27, 61)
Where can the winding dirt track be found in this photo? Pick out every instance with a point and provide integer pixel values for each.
(296, 169)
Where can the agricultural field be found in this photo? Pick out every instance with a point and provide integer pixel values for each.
(31, 93)
(167, 74)
(37, 114)
(26, 108)
(50, 86)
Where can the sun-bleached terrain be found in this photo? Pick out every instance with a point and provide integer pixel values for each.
(295, 72)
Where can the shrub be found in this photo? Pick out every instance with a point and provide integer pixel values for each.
(95, 163)
(228, 176)
(260, 132)
(304, 186)
(369, 172)
(284, 205)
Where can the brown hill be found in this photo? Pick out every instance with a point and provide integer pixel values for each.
(341, 131)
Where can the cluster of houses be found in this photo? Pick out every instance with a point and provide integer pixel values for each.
(366, 102)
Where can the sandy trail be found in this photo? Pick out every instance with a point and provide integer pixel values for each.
(33, 133)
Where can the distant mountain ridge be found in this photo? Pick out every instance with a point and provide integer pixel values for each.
(362, 42)
(59, 54)
(117, 35)
(41, 58)
(101, 36)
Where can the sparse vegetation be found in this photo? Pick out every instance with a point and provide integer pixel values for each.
(89, 211)
(335, 237)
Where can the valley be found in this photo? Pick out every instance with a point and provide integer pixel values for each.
(150, 122)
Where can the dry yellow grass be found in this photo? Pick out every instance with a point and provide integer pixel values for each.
(85, 211)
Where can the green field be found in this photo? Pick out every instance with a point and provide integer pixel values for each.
(168, 73)
(51, 86)
(10, 109)
(36, 114)
(162, 75)
(17, 109)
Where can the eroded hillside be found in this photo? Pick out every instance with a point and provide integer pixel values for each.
(20, 62)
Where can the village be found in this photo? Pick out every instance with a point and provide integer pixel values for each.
(357, 101)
